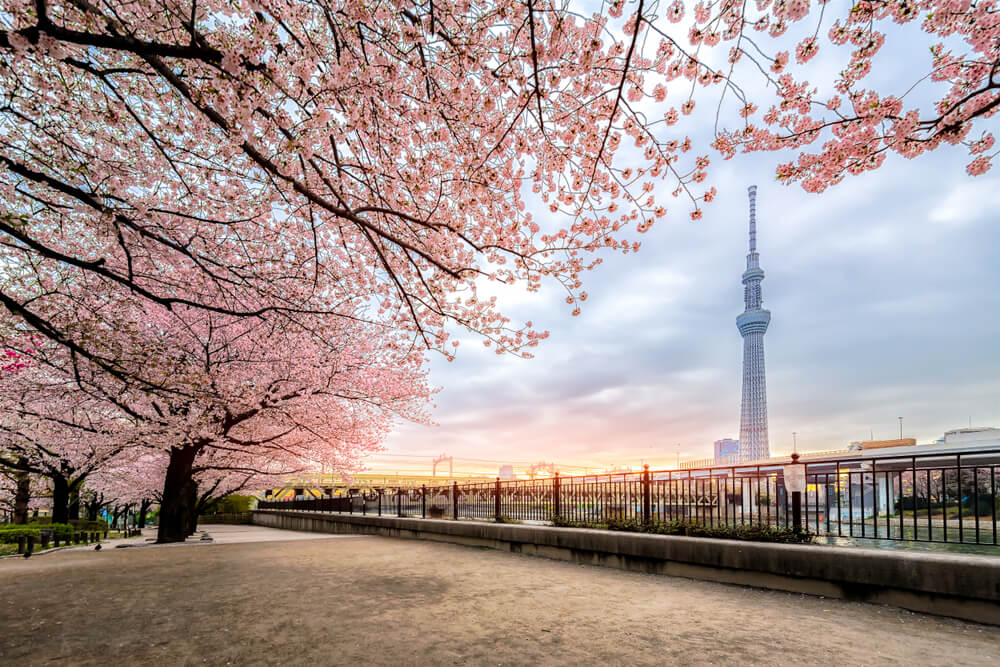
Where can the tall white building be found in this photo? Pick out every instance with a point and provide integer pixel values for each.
(752, 324)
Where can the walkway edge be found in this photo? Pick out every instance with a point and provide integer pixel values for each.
(956, 585)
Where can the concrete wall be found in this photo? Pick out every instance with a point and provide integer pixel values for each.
(962, 586)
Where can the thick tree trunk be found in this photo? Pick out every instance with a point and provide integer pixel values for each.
(60, 499)
(22, 494)
(175, 505)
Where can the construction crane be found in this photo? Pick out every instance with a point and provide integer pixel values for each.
(541, 465)
(442, 459)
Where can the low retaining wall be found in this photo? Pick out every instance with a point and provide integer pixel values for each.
(233, 518)
(961, 586)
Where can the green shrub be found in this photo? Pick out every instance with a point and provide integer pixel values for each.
(563, 522)
(83, 525)
(10, 534)
(63, 531)
(233, 504)
(750, 532)
(627, 525)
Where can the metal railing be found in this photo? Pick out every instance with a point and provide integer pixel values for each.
(313, 504)
(943, 497)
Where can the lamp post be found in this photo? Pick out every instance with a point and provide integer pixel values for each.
(795, 446)
(900, 427)
(795, 483)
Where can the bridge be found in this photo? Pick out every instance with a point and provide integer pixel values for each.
(337, 486)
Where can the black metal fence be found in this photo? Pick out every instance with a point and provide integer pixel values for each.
(934, 497)
(312, 504)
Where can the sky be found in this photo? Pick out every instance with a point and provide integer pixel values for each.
(885, 301)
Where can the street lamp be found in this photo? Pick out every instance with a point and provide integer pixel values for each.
(795, 445)
(900, 427)
(795, 483)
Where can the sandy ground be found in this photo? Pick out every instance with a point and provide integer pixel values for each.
(254, 596)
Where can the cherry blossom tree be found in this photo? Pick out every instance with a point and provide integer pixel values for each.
(224, 397)
(133, 479)
(244, 222)
(279, 402)
(848, 125)
(279, 156)
(15, 493)
(282, 157)
(52, 429)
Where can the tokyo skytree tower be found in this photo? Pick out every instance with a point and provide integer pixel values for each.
(752, 325)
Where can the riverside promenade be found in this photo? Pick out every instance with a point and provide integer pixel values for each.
(256, 595)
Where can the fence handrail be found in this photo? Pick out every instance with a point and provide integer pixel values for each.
(935, 496)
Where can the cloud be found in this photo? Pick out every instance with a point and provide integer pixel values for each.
(885, 302)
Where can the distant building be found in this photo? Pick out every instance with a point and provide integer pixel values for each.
(727, 450)
(879, 444)
(506, 472)
(973, 436)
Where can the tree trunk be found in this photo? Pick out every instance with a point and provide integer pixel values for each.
(60, 499)
(74, 503)
(23, 493)
(192, 507)
(143, 511)
(93, 507)
(174, 520)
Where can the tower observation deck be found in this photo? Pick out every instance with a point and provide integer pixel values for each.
(752, 324)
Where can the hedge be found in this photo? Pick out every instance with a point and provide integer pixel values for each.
(11, 534)
(63, 531)
(88, 526)
(749, 532)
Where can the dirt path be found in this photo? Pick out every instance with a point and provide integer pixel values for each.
(371, 600)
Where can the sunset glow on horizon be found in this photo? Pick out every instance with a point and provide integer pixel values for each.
(864, 330)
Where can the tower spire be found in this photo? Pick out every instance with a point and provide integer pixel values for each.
(752, 324)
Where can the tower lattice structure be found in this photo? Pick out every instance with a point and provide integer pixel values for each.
(752, 324)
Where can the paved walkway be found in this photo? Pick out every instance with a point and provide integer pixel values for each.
(372, 600)
(218, 534)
